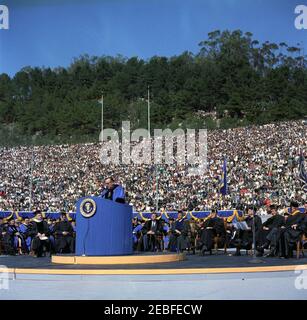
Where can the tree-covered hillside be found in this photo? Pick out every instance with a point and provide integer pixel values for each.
(233, 80)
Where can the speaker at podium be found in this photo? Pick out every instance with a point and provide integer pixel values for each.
(103, 228)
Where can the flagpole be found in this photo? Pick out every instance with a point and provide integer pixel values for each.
(102, 115)
(101, 102)
(219, 199)
(224, 175)
(157, 189)
(219, 190)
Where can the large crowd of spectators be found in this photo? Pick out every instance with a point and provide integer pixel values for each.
(262, 167)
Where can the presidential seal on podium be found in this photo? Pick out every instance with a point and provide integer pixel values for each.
(88, 208)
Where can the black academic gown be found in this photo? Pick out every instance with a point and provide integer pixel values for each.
(6, 241)
(289, 235)
(176, 240)
(183, 240)
(39, 246)
(150, 240)
(305, 224)
(63, 242)
(270, 236)
(216, 228)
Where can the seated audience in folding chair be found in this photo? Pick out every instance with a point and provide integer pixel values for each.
(150, 231)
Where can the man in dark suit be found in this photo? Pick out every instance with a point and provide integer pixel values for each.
(151, 230)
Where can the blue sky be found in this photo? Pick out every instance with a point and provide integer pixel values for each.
(53, 32)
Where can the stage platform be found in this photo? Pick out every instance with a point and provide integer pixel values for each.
(193, 264)
(118, 260)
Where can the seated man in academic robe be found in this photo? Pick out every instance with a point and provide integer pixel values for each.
(2, 228)
(151, 230)
(135, 224)
(211, 228)
(137, 235)
(16, 238)
(268, 234)
(183, 239)
(24, 230)
(40, 236)
(193, 235)
(171, 236)
(112, 191)
(165, 234)
(2, 233)
(63, 233)
(179, 232)
(291, 231)
(7, 237)
(244, 240)
(51, 225)
(4, 238)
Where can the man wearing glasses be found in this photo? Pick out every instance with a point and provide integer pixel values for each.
(112, 191)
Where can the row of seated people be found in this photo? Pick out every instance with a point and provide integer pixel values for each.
(277, 236)
(37, 236)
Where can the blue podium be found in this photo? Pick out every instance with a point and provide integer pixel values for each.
(103, 228)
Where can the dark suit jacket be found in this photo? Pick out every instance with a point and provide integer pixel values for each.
(148, 225)
(63, 226)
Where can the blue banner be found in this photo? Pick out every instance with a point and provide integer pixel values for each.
(223, 182)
